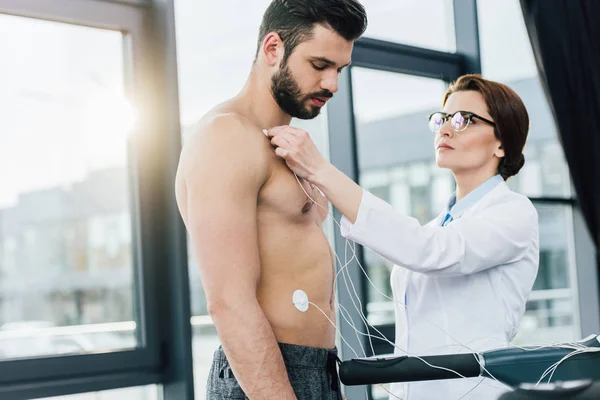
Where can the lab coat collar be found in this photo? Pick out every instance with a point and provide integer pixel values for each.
(457, 209)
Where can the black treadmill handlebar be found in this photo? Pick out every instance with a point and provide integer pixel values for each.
(408, 369)
(511, 366)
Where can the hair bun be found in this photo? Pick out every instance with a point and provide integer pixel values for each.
(510, 169)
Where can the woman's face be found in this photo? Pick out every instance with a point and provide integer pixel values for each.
(474, 149)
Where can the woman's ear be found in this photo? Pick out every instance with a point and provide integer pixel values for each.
(499, 151)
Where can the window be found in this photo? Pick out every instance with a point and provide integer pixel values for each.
(78, 299)
(552, 311)
(422, 23)
(132, 393)
(64, 206)
(396, 160)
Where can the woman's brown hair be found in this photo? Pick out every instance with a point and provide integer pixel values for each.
(509, 114)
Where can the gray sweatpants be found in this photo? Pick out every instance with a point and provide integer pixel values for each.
(312, 372)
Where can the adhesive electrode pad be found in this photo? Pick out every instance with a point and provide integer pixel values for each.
(300, 300)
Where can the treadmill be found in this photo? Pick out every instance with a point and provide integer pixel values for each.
(576, 377)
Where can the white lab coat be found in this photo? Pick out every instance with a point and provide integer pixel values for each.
(465, 284)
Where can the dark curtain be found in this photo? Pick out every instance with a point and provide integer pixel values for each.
(565, 36)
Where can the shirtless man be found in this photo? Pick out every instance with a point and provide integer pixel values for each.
(256, 234)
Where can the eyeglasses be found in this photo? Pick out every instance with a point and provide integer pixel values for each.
(459, 121)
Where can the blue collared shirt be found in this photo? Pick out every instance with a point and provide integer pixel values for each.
(455, 210)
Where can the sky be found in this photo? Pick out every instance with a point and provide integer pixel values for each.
(64, 113)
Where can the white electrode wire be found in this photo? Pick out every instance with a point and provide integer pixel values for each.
(353, 325)
(361, 313)
(343, 267)
(473, 388)
(353, 248)
(529, 348)
(550, 370)
(359, 308)
(333, 323)
(554, 366)
(385, 339)
(575, 346)
(578, 348)
(382, 337)
(441, 329)
(357, 336)
(393, 344)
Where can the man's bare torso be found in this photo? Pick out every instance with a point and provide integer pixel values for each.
(294, 251)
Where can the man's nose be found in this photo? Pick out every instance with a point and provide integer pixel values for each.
(330, 82)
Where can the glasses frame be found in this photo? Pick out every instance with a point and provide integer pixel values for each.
(470, 115)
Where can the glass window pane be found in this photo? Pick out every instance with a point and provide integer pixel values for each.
(421, 23)
(551, 314)
(396, 159)
(210, 72)
(552, 310)
(150, 392)
(65, 222)
(204, 342)
(545, 172)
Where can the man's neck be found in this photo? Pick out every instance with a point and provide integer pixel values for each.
(257, 99)
(468, 181)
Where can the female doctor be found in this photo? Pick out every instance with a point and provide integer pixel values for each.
(461, 282)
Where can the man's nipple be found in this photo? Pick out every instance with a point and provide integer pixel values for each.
(307, 206)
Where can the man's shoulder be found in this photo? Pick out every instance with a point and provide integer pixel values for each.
(215, 128)
(226, 137)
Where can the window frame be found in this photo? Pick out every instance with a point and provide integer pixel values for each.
(160, 281)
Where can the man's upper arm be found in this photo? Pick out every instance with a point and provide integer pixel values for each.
(224, 172)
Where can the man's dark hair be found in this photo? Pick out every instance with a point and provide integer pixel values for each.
(294, 20)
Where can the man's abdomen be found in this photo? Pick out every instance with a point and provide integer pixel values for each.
(297, 257)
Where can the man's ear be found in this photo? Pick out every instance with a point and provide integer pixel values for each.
(272, 49)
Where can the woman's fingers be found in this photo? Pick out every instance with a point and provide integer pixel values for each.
(283, 153)
(281, 141)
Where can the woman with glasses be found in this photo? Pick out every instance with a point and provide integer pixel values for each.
(461, 282)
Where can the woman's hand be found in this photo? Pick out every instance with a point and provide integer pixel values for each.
(298, 150)
(301, 155)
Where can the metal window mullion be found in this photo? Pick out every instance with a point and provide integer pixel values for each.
(466, 28)
(93, 13)
(343, 155)
(399, 58)
(61, 367)
(172, 297)
(567, 201)
(79, 384)
(586, 274)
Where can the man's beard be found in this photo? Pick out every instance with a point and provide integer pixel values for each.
(290, 99)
